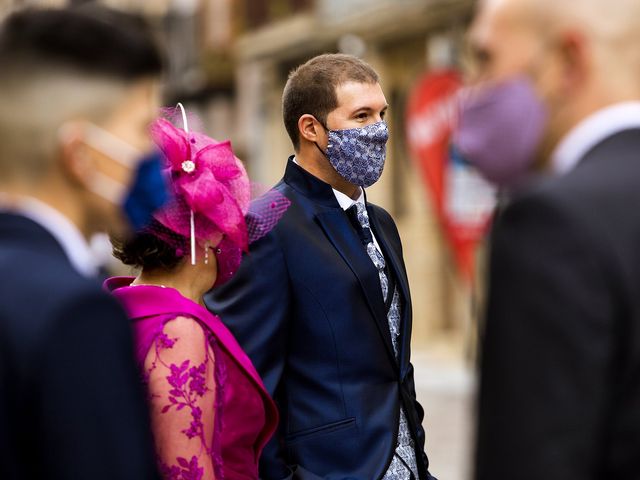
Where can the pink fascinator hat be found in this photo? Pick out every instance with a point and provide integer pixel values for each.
(211, 205)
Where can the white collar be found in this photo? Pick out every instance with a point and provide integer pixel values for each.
(345, 201)
(593, 130)
(62, 229)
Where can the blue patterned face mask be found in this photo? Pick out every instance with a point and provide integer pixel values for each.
(358, 154)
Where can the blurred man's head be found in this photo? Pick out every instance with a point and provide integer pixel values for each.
(78, 88)
(580, 55)
(329, 92)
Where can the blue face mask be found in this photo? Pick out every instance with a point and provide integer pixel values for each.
(148, 190)
(147, 193)
(358, 154)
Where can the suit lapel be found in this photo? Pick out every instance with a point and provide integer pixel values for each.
(336, 226)
(395, 264)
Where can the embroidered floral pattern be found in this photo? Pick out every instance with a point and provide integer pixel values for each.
(187, 386)
(185, 470)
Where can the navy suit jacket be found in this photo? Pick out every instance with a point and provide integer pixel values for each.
(71, 406)
(307, 307)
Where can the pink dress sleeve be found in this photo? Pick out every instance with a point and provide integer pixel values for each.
(179, 369)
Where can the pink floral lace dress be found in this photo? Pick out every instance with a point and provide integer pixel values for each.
(211, 415)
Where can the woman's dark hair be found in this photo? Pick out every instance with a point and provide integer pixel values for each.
(145, 250)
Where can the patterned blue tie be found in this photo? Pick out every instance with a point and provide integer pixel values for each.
(403, 465)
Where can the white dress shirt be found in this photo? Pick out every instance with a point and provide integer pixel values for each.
(61, 228)
(593, 130)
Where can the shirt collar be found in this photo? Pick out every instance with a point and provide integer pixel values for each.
(593, 130)
(62, 229)
(345, 201)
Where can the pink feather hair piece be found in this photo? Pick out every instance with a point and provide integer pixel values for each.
(208, 180)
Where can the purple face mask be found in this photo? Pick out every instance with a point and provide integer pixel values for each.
(500, 129)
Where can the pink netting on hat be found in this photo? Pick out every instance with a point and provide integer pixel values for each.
(208, 181)
(264, 213)
(178, 242)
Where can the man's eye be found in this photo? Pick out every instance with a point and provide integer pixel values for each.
(481, 59)
(383, 114)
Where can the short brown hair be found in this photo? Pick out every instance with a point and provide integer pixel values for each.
(311, 88)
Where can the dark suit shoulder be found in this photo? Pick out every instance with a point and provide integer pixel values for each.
(595, 197)
(605, 179)
(50, 279)
(387, 223)
(302, 209)
(381, 212)
(589, 209)
(383, 215)
(39, 293)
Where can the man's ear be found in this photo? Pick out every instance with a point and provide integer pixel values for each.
(309, 128)
(574, 51)
(73, 154)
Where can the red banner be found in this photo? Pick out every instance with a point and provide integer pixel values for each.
(463, 200)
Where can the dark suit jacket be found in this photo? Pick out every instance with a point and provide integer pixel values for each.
(307, 307)
(560, 376)
(71, 406)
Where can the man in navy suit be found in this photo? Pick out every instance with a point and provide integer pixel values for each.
(77, 90)
(321, 304)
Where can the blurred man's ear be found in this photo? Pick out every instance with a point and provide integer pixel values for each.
(73, 156)
(574, 54)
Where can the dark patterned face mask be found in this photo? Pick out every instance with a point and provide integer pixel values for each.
(358, 154)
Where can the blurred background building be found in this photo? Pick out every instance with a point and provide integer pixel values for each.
(228, 62)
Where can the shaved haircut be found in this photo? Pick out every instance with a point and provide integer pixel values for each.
(59, 65)
(612, 26)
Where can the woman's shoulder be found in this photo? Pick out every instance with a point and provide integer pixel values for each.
(186, 327)
(185, 336)
(164, 329)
